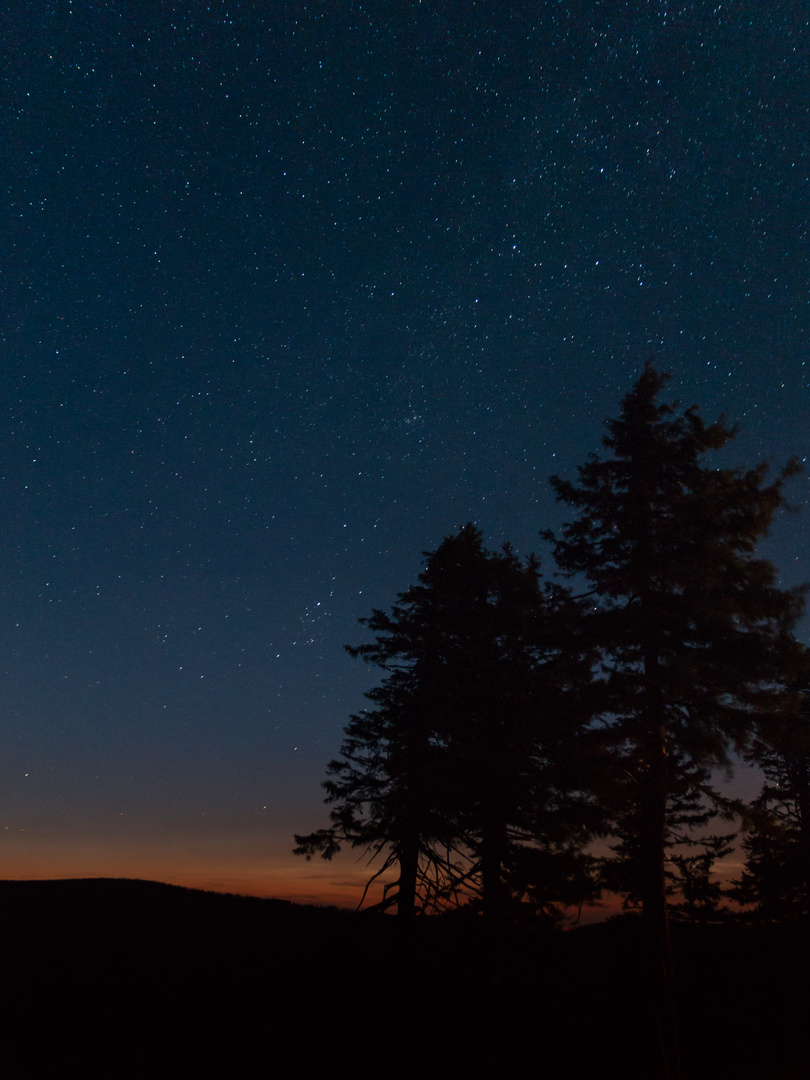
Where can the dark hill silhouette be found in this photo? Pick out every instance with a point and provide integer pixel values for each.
(117, 978)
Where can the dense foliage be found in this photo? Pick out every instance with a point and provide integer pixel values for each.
(693, 635)
(776, 878)
(516, 721)
(464, 771)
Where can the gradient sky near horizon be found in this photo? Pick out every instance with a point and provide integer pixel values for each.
(292, 290)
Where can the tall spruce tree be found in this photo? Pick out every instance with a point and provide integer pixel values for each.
(693, 634)
(465, 763)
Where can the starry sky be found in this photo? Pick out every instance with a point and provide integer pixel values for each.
(290, 291)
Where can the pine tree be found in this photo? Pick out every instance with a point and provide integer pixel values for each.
(504, 692)
(693, 633)
(451, 773)
(383, 789)
(776, 878)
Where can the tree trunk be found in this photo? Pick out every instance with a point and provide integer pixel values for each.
(493, 851)
(658, 961)
(408, 872)
(653, 833)
(653, 829)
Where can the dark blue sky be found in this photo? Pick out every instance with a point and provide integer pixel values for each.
(291, 291)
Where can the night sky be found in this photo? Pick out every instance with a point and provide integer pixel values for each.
(292, 290)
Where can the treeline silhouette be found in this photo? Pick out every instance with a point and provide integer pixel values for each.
(519, 720)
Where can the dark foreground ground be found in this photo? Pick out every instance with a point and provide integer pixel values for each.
(130, 978)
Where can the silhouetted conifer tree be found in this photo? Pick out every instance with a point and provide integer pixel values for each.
(505, 696)
(383, 790)
(777, 872)
(464, 770)
(693, 634)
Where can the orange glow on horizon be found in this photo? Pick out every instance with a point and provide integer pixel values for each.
(227, 868)
(216, 867)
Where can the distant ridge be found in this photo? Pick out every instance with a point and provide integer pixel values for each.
(124, 885)
(66, 893)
